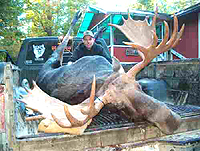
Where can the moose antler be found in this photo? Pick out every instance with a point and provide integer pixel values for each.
(55, 110)
(143, 38)
(92, 110)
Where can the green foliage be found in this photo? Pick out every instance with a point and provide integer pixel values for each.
(10, 10)
(144, 5)
(2, 57)
(183, 4)
(50, 17)
(165, 6)
(35, 18)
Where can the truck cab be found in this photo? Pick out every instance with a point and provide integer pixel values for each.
(34, 53)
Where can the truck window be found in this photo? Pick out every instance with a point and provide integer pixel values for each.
(39, 51)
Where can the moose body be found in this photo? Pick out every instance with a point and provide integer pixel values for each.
(72, 83)
(114, 86)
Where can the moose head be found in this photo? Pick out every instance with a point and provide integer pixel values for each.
(119, 89)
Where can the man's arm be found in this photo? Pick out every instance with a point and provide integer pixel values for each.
(105, 54)
(74, 56)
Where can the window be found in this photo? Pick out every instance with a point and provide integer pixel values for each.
(39, 51)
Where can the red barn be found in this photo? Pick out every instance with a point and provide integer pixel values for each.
(189, 45)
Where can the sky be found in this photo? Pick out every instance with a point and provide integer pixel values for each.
(114, 5)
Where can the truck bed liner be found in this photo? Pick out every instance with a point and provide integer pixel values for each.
(111, 120)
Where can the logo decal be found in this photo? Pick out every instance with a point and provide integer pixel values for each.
(38, 51)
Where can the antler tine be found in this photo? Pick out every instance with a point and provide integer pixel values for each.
(59, 122)
(174, 34)
(154, 18)
(117, 26)
(179, 35)
(74, 122)
(91, 111)
(164, 45)
(149, 53)
(129, 16)
(92, 96)
(34, 118)
(165, 39)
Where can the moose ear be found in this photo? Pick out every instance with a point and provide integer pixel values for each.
(117, 67)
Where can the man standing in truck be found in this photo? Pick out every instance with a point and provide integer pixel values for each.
(88, 47)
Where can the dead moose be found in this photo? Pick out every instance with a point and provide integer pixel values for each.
(115, 87)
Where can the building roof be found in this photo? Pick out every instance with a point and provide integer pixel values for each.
(92, 13)
(192, 9)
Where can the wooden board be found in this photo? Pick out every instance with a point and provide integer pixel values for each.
(2, 109)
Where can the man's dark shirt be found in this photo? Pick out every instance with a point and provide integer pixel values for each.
(81, 51)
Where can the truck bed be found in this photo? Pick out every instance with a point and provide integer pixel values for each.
(107, 129)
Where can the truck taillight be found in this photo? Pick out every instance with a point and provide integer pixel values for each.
(53, 48)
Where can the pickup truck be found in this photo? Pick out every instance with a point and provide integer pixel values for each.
(109, 130)
(12, 73)
(33, 54)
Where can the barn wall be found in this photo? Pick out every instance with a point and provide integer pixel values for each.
(121, 54)
(188, 46)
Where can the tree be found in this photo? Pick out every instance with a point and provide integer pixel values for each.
(164, 6)
(51, 17)
(183, 4)
(33, 18)
(9, 25)
(144, 5)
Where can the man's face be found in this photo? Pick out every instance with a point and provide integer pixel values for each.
(88, 41)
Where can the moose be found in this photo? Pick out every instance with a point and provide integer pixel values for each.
(70, 96)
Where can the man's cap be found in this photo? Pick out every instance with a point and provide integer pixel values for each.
(88, 33)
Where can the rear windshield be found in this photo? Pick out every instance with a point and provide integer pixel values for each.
(39, 51)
